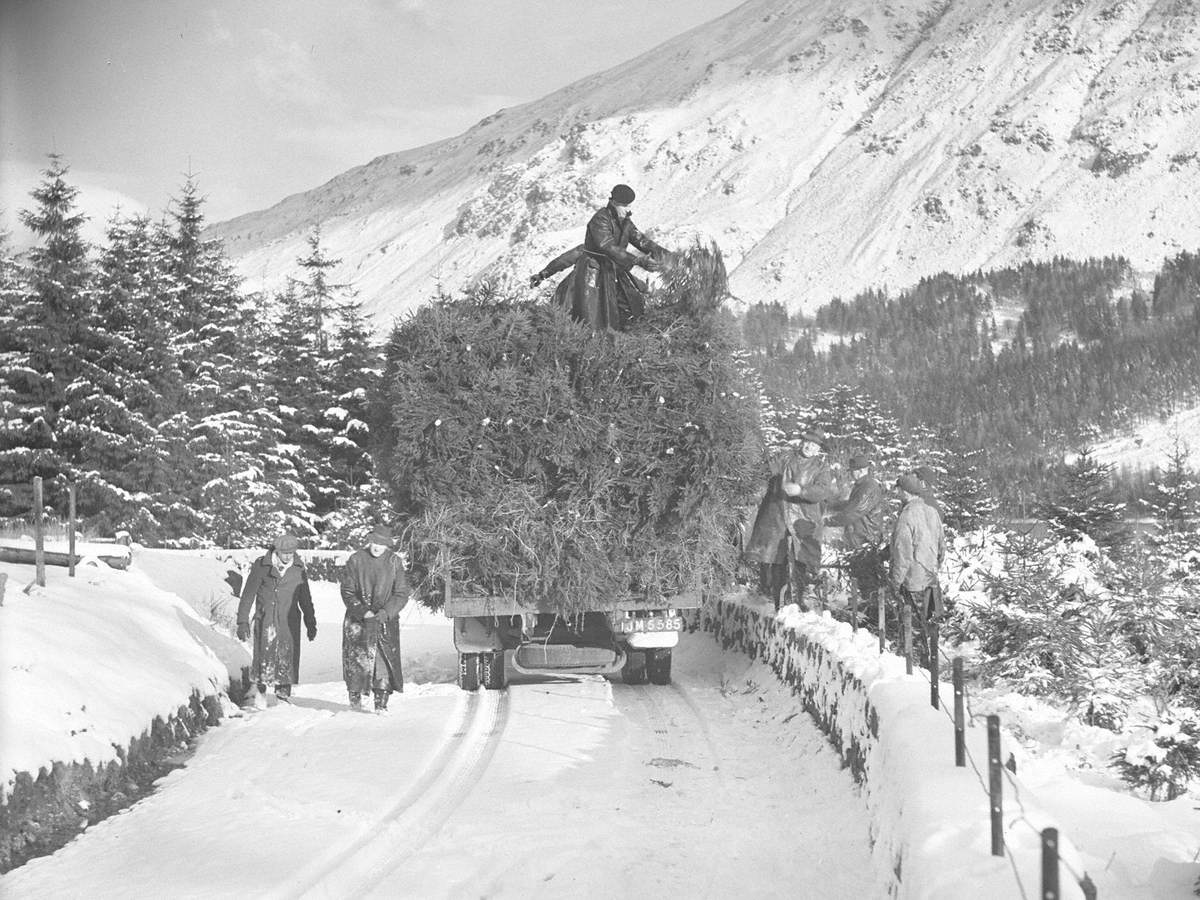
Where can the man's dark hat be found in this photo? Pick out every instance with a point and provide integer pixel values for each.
(622, 194)
(927, 474)
(859, 462)
(381, 534)
(910, 483)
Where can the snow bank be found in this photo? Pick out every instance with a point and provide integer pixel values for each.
(90, 662)
(931, 826)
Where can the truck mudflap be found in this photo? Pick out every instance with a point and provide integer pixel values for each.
(536, 658)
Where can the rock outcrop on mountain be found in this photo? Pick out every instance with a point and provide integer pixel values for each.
(826, 146)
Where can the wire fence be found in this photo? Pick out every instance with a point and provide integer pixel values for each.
(998, 772)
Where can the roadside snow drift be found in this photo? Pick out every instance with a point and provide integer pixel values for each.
(90, 661)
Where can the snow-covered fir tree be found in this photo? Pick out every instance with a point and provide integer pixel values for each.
(967, 501)
(140, 354)
(76, 391)
(1083, 504)
(355, 371)
(245, 483)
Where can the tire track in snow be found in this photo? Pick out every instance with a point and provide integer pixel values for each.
(466, 711)
(413, 822)
(673, 717)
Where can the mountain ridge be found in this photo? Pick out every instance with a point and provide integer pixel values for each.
(826, 147)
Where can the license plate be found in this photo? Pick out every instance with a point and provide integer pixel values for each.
(655, 623)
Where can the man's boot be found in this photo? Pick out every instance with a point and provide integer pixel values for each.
(356, 700)
(283, 692)
(381, 701)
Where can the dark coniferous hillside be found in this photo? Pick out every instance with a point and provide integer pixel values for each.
(1022, 364)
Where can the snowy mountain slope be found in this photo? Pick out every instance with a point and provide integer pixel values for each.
(826, 146)
(1152, 443)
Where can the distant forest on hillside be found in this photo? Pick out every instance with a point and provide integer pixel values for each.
(1019, 365)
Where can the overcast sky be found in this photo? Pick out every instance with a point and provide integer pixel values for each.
(264, 98)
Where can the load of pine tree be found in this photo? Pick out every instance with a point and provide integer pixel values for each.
(531, 458)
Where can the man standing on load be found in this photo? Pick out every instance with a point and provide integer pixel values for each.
(807, 486)
(604, 293)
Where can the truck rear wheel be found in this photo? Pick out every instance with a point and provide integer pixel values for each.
(634, 670)
(658, 665)
(491, 670)
(468, 671)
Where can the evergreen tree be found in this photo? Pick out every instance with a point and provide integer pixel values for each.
(316, 297)
(1175, 502)
(304, 379)
(1082, 505)
(966, 499)
(14, 371)
(138, 355)
(355, 381)
(244, 482)
(248, 489)
(47, 312)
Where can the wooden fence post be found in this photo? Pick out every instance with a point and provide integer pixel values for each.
(995, 784)
(71, 532)
(39, 537)
(1050, 864)
(960, 723)
(906, 629)
(854, 608)
(934, 687)
(3, 584)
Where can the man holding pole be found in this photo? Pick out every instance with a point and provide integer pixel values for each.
(917, 549)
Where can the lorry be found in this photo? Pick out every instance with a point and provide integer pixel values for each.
(634, 637)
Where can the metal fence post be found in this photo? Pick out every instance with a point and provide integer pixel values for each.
(995, 784)
(934, 687)
(960, 719)
(1050, 864)
(881, 594)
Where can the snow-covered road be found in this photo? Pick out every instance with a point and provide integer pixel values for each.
(716, 786)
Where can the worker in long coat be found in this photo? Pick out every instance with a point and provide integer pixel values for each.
(603, 291)
(277, 592)
(374, 590)
(768, 545)
(808, 487)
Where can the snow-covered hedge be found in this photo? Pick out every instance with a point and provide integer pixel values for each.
(930, 820)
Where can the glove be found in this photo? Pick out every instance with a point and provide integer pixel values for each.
(312, 632)
(649, 263)
(536, 279)
(243, 631)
